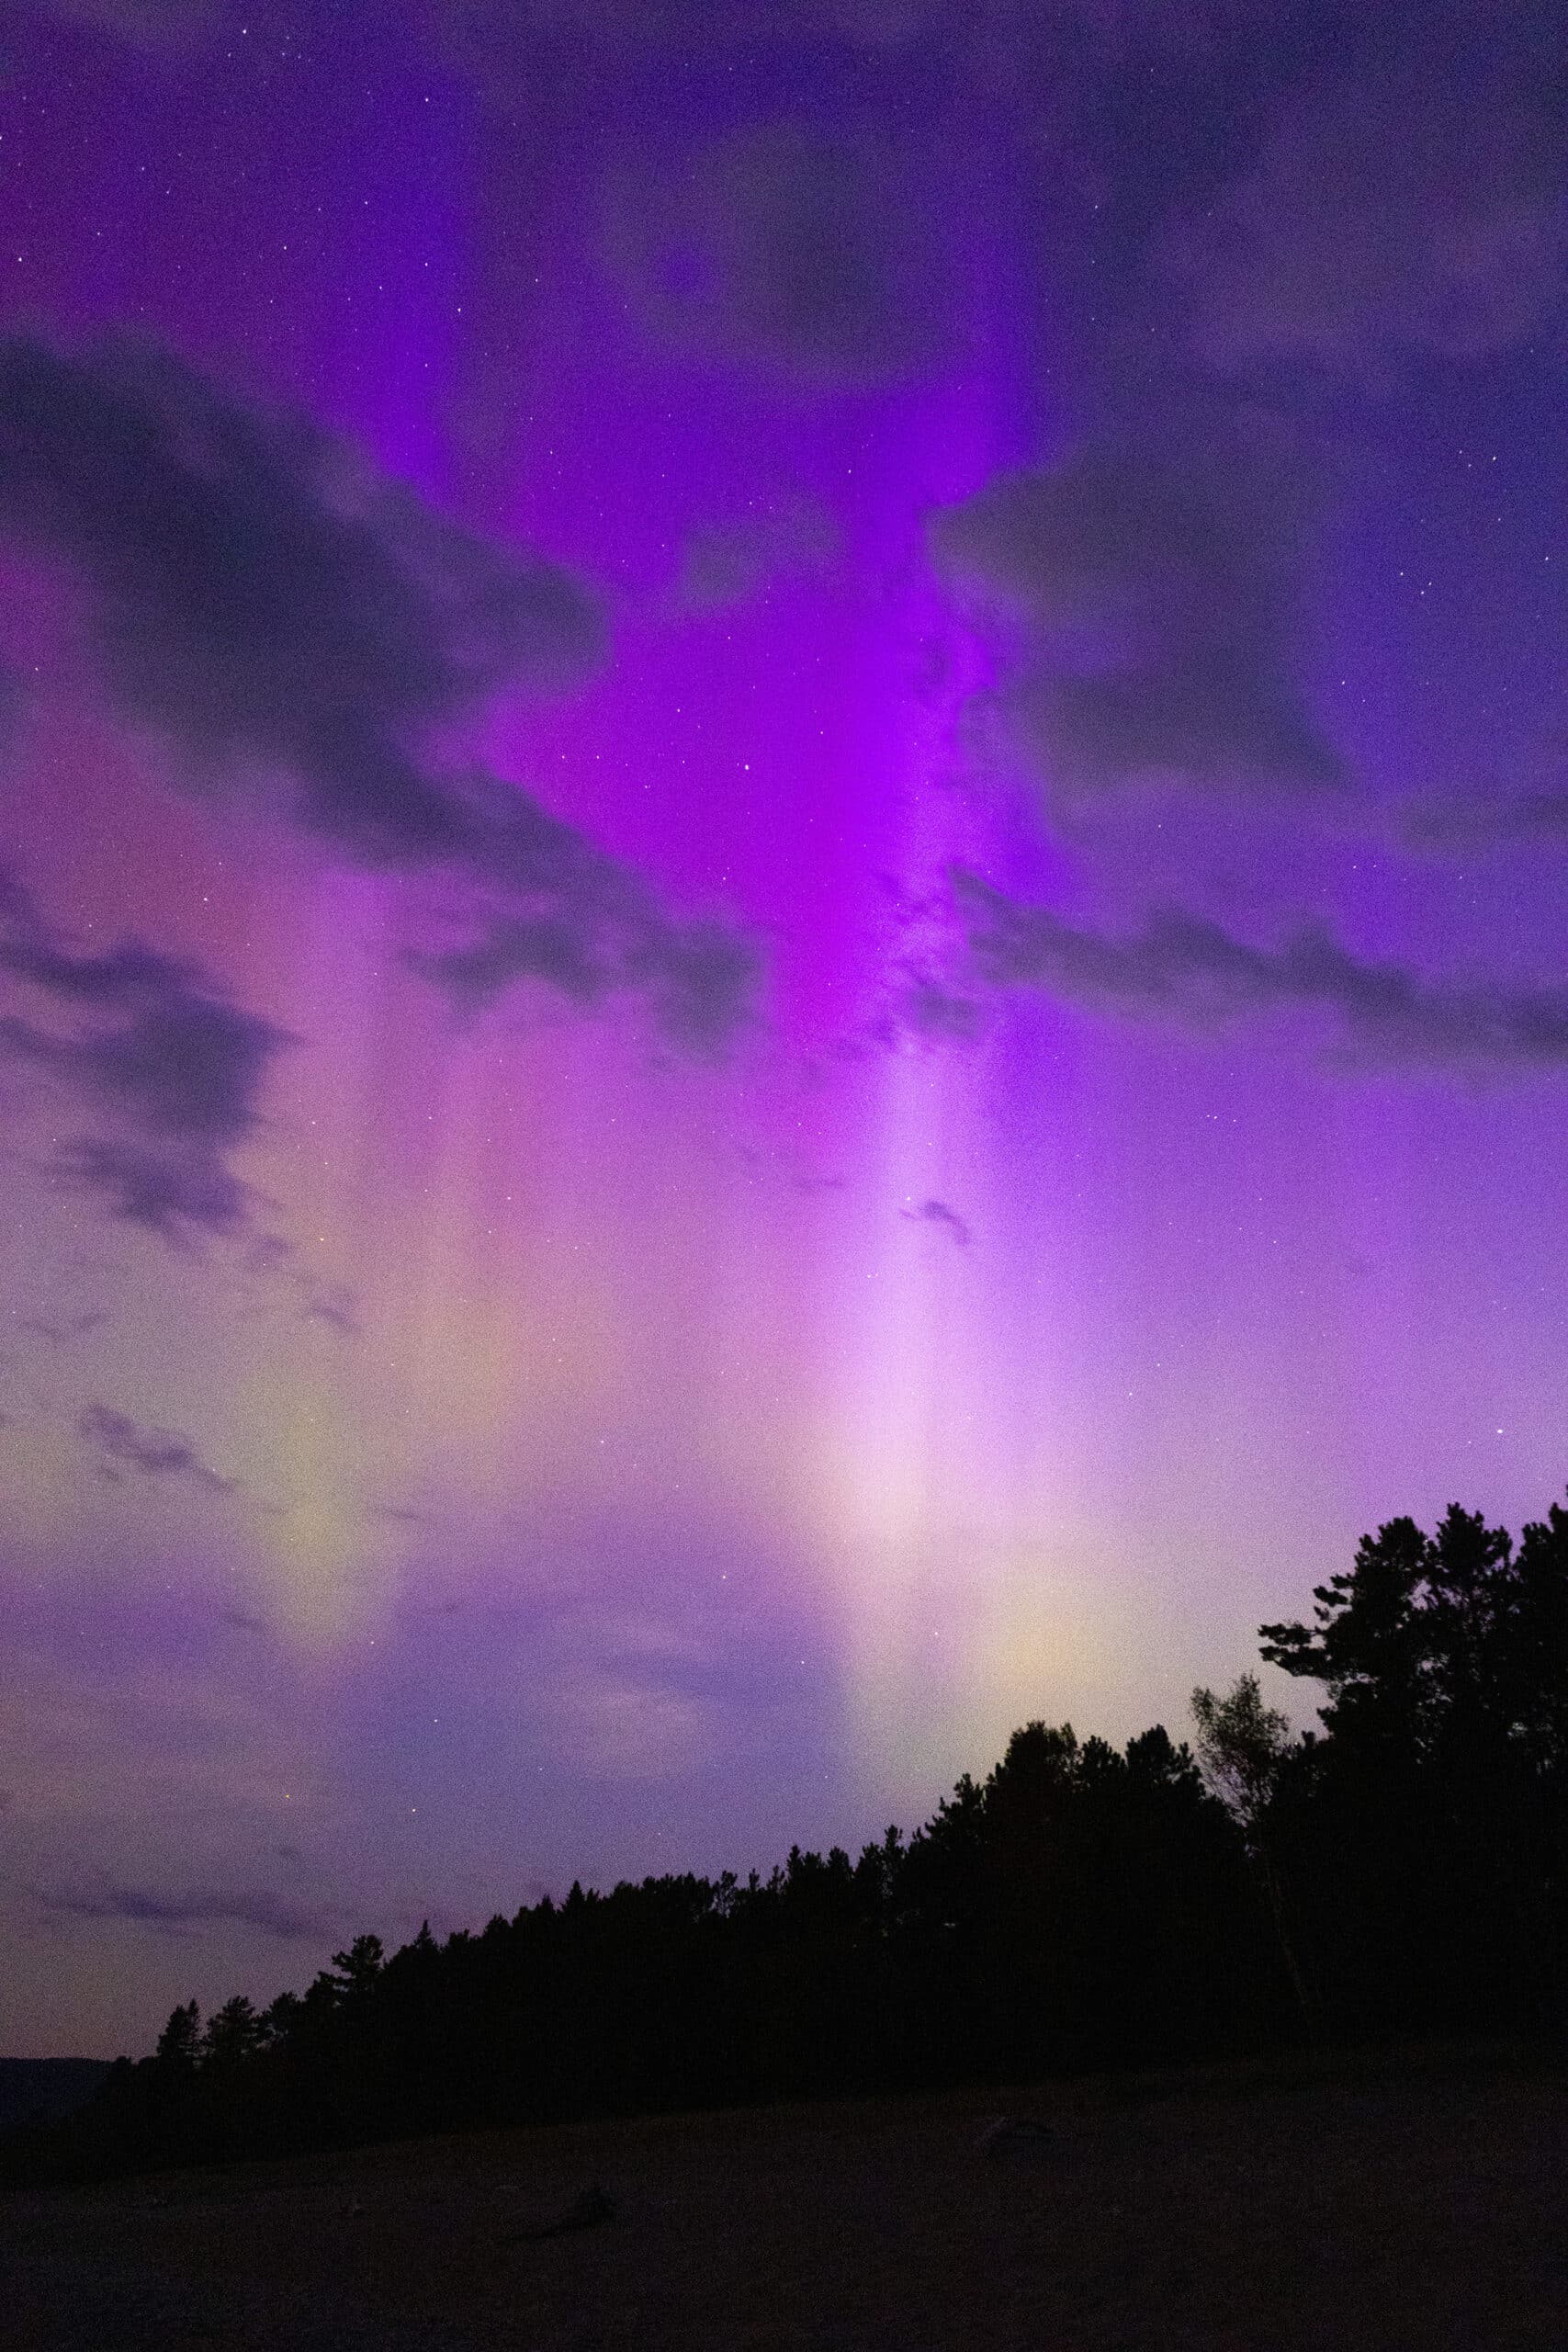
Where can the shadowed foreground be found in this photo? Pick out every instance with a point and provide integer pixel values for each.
(1417, 2202)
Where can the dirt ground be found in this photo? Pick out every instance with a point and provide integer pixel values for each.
(1421, 2203)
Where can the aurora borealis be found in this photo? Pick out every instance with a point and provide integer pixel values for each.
(781, 896)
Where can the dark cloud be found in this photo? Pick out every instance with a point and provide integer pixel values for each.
(511, 947)
(946, 1219)
(155, 1453)
(267, 602)
(244, 1622)
(293, 624)
(974, 29)
(701, 977)
(152, 23)
(1490, 820)
(491, 34)
(787, 246)
(930, 1009)
(334, 1304)
(1530, 805)
(181, 1195)
(165, 1071)
(602, 931)
(74, 1327)
(1156, 600)
(1133, 27)
(726, 564)
(272, 1259)
(1185, 969)
(1413, 210)
(110, 1898)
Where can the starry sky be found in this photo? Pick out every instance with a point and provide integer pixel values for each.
(783, 797)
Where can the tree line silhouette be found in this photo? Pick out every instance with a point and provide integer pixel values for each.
(1402, 1872)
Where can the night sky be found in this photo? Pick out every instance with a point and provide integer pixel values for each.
(783, 816)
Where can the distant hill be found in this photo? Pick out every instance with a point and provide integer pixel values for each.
(49, 2086)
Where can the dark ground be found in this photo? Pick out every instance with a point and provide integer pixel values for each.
(1417, 2203)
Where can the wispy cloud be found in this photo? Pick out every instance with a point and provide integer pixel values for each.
(74, 1326)
(105, 1898)
(1188, 969)
(334, 1305)
(546, 905)
(154, 1452)
(163, 1070)
(402, 1515)
(932, 1009)
(243, 1621)
(303, 632)
(947, 1220)
(1530, 805)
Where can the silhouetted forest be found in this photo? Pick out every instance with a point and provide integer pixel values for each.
(1403, 1872)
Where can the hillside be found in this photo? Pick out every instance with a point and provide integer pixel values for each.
(49, 2086)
